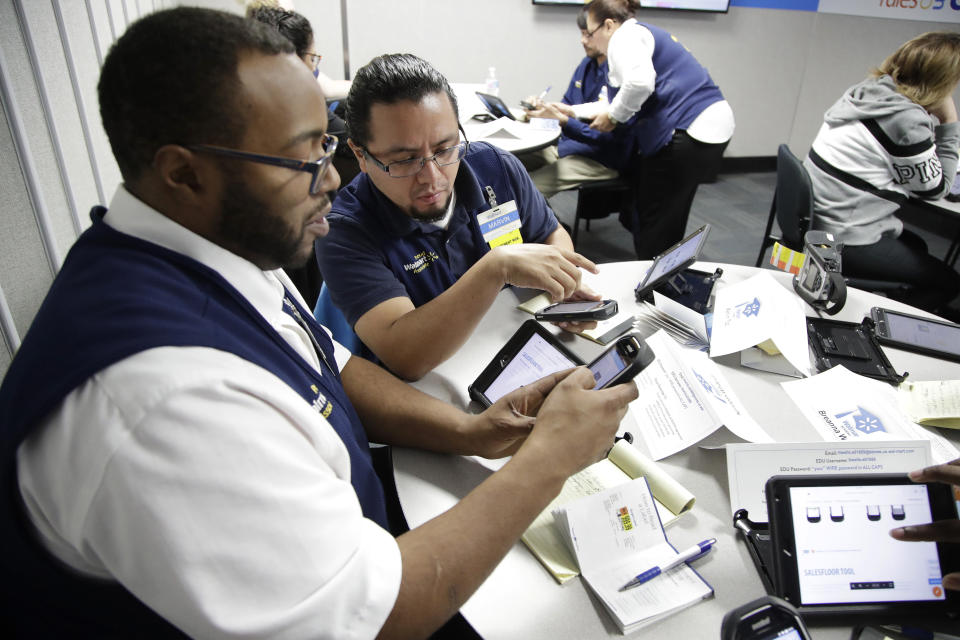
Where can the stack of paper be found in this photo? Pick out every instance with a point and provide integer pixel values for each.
(622, 463)
(935, 403)
(655, 319)
(615, 535)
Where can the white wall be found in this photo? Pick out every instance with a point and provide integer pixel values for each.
(779, 70)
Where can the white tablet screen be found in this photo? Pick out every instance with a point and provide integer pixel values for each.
(844, 550)
(537, 358)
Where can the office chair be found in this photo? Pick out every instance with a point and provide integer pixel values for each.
(599, 199)
(792, 207)
(332, 318)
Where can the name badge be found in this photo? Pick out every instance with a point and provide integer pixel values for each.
(501, 225)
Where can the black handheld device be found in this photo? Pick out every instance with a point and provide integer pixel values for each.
(495, 105)
(766, 618)
(672, 261)
(525, 104)
(833, 554)
(621, 361)
(936, 338)
(578, 311)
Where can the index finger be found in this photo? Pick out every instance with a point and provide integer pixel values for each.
(579, 260)
(948, 473)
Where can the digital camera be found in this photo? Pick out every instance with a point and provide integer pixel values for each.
(819, 281)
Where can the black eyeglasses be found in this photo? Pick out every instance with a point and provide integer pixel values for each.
(317, 169)
(589, 34)
(413, 166)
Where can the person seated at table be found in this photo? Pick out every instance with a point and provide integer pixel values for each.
(184, 450)
(683, 123)
(582, 154)
(891, 137)
(434, 226)
(940, 531)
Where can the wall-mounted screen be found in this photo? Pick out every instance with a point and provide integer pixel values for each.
(720, 6)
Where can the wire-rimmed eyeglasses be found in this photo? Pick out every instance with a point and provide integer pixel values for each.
(317, 169)
(413, 166)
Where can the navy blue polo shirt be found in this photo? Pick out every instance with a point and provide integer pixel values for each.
(375, 251)
(611, 149)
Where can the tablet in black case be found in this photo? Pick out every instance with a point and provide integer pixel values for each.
(833, 554)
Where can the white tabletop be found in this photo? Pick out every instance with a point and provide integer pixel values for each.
(520, 599)
(510, 135)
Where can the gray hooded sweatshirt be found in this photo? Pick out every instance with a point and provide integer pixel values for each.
(877, 148)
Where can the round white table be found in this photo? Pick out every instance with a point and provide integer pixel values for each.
(520, 599)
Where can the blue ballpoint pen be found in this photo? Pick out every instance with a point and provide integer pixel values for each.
(692, 553)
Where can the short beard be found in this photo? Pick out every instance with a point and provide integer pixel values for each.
(252, 230)
(430, 217)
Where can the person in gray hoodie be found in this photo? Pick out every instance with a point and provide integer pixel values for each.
(890, 138)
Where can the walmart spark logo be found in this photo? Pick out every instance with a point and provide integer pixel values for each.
(863, 420)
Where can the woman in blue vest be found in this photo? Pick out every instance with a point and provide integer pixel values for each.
(683, 122)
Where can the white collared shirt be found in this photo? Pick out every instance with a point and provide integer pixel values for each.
(205, 485)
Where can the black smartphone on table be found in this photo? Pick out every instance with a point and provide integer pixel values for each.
(937, 338)
(578, 311)
(833, 554)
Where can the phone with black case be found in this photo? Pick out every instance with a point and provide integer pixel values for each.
(578, 311)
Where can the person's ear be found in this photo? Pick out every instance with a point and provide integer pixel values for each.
(185, 175)
(358, 154)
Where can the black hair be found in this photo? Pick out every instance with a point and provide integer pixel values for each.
(291, 25)
(172, 79)
(389, 79)
(582, 18)
(617, 10)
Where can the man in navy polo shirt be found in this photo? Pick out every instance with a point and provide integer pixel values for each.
(434, 227)
(582, 154)
(183, 450)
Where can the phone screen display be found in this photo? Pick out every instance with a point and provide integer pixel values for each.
(790, 633)
(923, 333)
(607, 367)
(535, 359)
(844, 551)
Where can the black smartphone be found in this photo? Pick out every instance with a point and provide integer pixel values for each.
(937, 338)
(833, 554)
(622, 361)
(578, 311)
(525, 104)
(767, 618)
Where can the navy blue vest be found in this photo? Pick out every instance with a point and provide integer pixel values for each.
(116, 296)
(683, 90)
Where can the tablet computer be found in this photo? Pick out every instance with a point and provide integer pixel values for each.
(531, 353)
(833, 554)
(930, 337)
(673, 261)
(495, 105)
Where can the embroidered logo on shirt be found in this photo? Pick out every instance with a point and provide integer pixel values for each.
(577, 84)
(421, 261)
(320, 404)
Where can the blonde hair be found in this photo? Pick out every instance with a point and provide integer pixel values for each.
(925, 69)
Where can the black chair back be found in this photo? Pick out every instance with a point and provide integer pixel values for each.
(794, 198)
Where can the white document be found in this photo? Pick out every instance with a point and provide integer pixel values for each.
(749, 466)
(843, 406)
(684, 398)
(759, 309)
(616, 534)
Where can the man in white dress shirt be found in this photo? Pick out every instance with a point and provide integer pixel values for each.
(183, 449)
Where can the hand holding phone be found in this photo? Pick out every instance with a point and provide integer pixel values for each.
(578, 311)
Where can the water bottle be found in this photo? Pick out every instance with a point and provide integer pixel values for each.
(493, 85)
